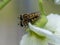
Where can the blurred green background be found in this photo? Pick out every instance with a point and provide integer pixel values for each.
(51, 7)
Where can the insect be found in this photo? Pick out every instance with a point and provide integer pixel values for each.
(29, 17)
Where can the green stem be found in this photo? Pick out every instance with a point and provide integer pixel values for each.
(41, 7)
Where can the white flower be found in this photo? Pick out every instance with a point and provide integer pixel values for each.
(53, 23)
(40, 36)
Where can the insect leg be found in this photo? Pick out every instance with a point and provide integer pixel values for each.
(21, 23)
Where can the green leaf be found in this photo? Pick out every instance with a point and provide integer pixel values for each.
(41, 7)
(3, 3)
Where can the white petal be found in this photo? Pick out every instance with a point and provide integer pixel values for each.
(46, 33)
(32, 40)
(39, 31)
(53, 23)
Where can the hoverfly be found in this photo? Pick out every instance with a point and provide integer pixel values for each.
(29, 17)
